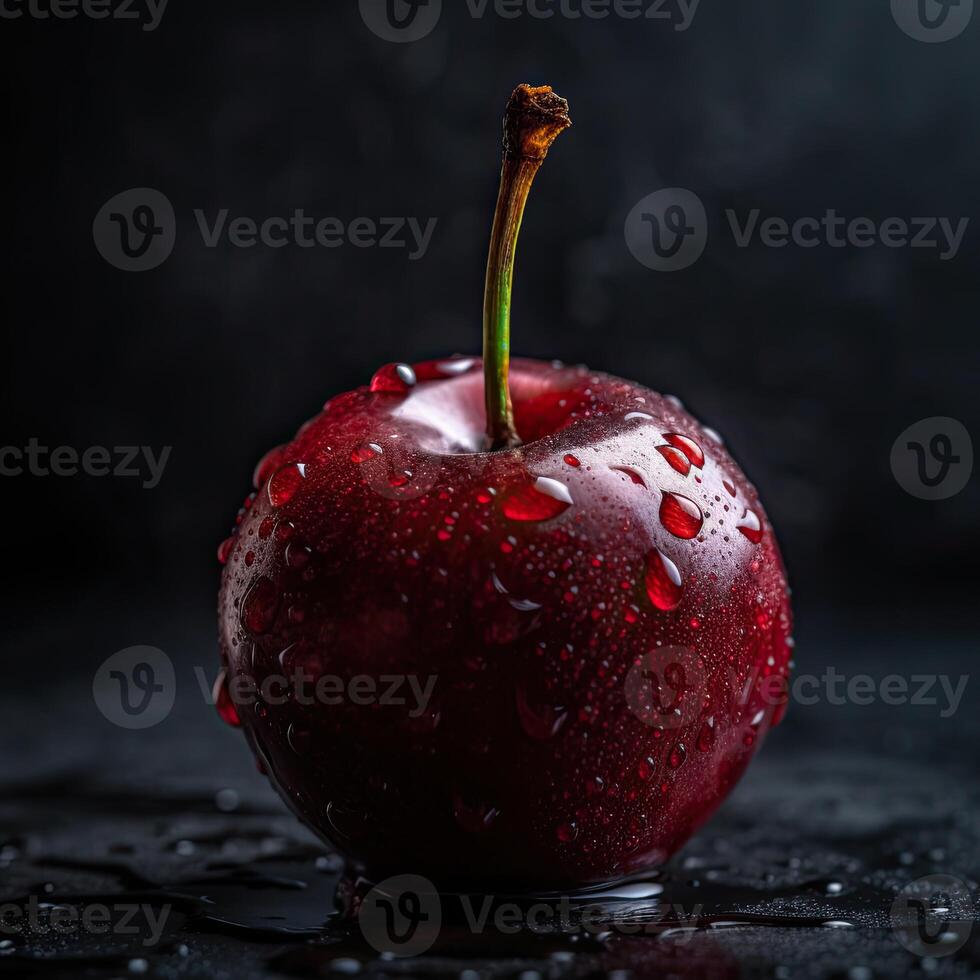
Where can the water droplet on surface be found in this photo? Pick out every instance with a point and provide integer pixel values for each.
(540, 721)
(687, 446)
(473, 817)
(677, 460)
(539, 501)
(297, 555)
(223, 701)
(663, 581)
(458, 365)
(751, 526)
(637, 416)
(730, 487)
(566, 832)
(572, 460)
(394, 378)
(225, 549)
(259, 606)
(631, 473)
(299, 739)
(681, 516)
(677, 756)
(646, 768)
(285, 483)
(706, 737)
(363, 453)
(267, 465)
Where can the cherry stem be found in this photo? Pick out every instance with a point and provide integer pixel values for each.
(534, 119)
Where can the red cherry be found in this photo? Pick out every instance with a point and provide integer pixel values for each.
(474, 566)
(528, 703)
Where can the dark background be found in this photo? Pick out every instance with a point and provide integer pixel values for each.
(810, 362)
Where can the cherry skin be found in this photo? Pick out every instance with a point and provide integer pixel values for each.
(600, 617)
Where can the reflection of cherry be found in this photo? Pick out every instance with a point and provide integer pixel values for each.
(547, 529)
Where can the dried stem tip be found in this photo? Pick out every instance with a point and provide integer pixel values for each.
(534, 119)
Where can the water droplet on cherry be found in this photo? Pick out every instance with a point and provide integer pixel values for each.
(663, 581)
(566, 832)
(473, 817)
(299, 739)
(285, 482)
(225, 549)
(363, 453)
(751, 526)
(681, 516)
(540, 721)
(706, 737)
(631, 473)
(646, 768)
(223, 701)
(687, 446)
(677, 460)
(267, 465)
(394, 378)
(539, 501)
(259, 606)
